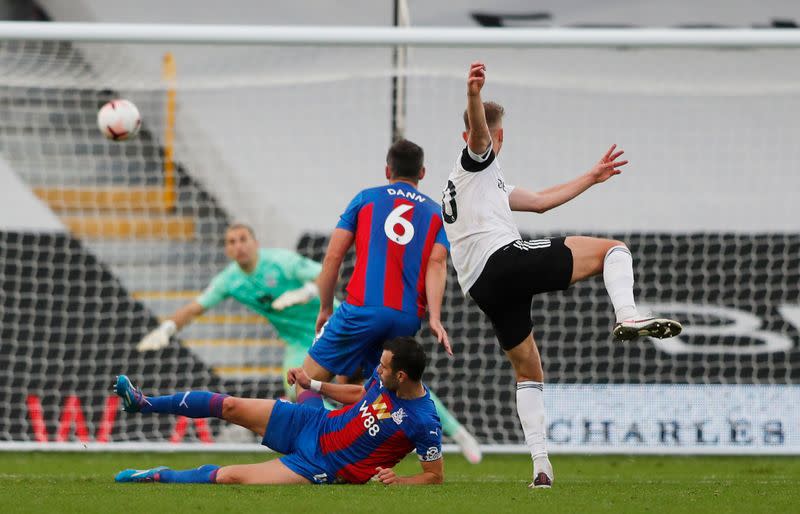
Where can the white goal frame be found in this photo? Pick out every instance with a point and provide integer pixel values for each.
(393, 37)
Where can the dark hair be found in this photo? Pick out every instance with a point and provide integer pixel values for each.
(235, 226)
(405, 159)
(494, 114)
(407, 355)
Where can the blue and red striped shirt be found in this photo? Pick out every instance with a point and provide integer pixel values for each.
(395, 228)
(378, 431)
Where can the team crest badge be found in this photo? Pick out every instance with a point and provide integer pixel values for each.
(399, 415)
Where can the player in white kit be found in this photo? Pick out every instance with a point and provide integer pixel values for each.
(502, 272)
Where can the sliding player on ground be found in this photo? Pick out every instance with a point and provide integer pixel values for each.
(389, 416)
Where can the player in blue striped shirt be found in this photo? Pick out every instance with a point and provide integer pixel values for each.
(389, 416)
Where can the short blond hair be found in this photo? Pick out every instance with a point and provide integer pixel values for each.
(494, 115)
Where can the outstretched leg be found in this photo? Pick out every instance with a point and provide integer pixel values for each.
(250, 413)
(205, 474)
(592, 256)
(270, 472)
(265, 473)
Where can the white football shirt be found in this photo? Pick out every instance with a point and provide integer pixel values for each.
(476, 213)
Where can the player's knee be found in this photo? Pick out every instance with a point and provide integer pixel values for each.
(530, 370)
(613, 243)
(526, 363)
(606, 250)
(230, 407)
(227, 475)
(315, 371)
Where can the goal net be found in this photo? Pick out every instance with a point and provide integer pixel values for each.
(282, 137)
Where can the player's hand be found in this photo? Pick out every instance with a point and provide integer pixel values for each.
(386, 476)
(441, 334)
(298, 376)
(293, 297)
(476, 78)
(608, 165)
(322, 318)
(155, 340)
(158, 338)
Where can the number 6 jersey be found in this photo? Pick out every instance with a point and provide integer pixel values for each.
(477, 214)
(395, 228)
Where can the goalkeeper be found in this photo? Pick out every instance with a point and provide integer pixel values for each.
(274, 282)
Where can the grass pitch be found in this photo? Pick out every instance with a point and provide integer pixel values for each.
(83, 483)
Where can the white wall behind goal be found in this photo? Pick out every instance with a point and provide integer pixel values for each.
(285, 136)
(20, 210)
(280, 136)
(709, 145)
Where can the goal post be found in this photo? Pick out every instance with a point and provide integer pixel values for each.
(280, 126)
(391, 36)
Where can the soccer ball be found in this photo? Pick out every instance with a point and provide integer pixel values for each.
(119, 120)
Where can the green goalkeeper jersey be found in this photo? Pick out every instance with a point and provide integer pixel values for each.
(278, 270)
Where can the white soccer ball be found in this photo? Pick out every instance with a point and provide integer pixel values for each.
(119, 120)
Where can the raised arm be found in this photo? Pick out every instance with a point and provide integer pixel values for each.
(524, 200)
(159, 338)
(435, 282)
(343, 393)
(478, 139)
(341, 241)
(432, 473)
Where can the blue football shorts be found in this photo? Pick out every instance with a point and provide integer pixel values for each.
(352, 339)
(294, 431)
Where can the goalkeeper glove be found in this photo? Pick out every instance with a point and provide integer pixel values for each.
(296, 296)
(158, 338)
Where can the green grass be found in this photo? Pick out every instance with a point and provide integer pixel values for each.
(83, 482)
